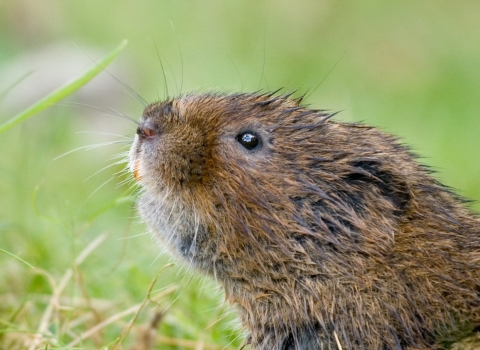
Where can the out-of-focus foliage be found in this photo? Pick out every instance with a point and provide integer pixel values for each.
(410, 68)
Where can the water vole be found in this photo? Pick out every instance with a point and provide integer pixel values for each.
(325, 235)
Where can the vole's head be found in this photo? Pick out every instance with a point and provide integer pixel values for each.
(262, 180)
(196, 141)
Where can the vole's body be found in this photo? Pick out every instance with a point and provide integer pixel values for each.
(327, 235)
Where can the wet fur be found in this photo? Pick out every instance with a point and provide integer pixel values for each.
(331, 234)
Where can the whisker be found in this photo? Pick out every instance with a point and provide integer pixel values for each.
(99, 171)
(308, 94)
(264, 59)
(160, 289)
(215, 322)
(180, 289)
(90, 147)
(88, 132)
(133, 193)
(156, 258)
(226, 346)
(133, 236)
(109, 112)
(95, 191)
(203, 285)
(238, 72)
(126, 86)
(133, 92)
(122, 115)
(124, 171)
(124, 182)
(173, 73)
(196, 224)
(123, 156)
(163, 71)
(172, 234)
(181, 55)
(211, 309)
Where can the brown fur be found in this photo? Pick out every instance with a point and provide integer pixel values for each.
(330, 235)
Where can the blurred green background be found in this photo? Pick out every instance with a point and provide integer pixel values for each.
(410, 68)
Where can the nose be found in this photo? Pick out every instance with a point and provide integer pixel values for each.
(146, 130)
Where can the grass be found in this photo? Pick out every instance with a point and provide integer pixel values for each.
(63, 91)
(411, 69)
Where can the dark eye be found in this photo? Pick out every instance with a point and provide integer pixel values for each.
(248, 140)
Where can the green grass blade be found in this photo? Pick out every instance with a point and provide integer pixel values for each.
(63, 91)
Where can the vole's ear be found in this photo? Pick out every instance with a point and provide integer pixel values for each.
(373, 174)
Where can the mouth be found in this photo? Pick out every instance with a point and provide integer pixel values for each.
(136, 170)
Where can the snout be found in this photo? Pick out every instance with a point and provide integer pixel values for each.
(147, 130)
